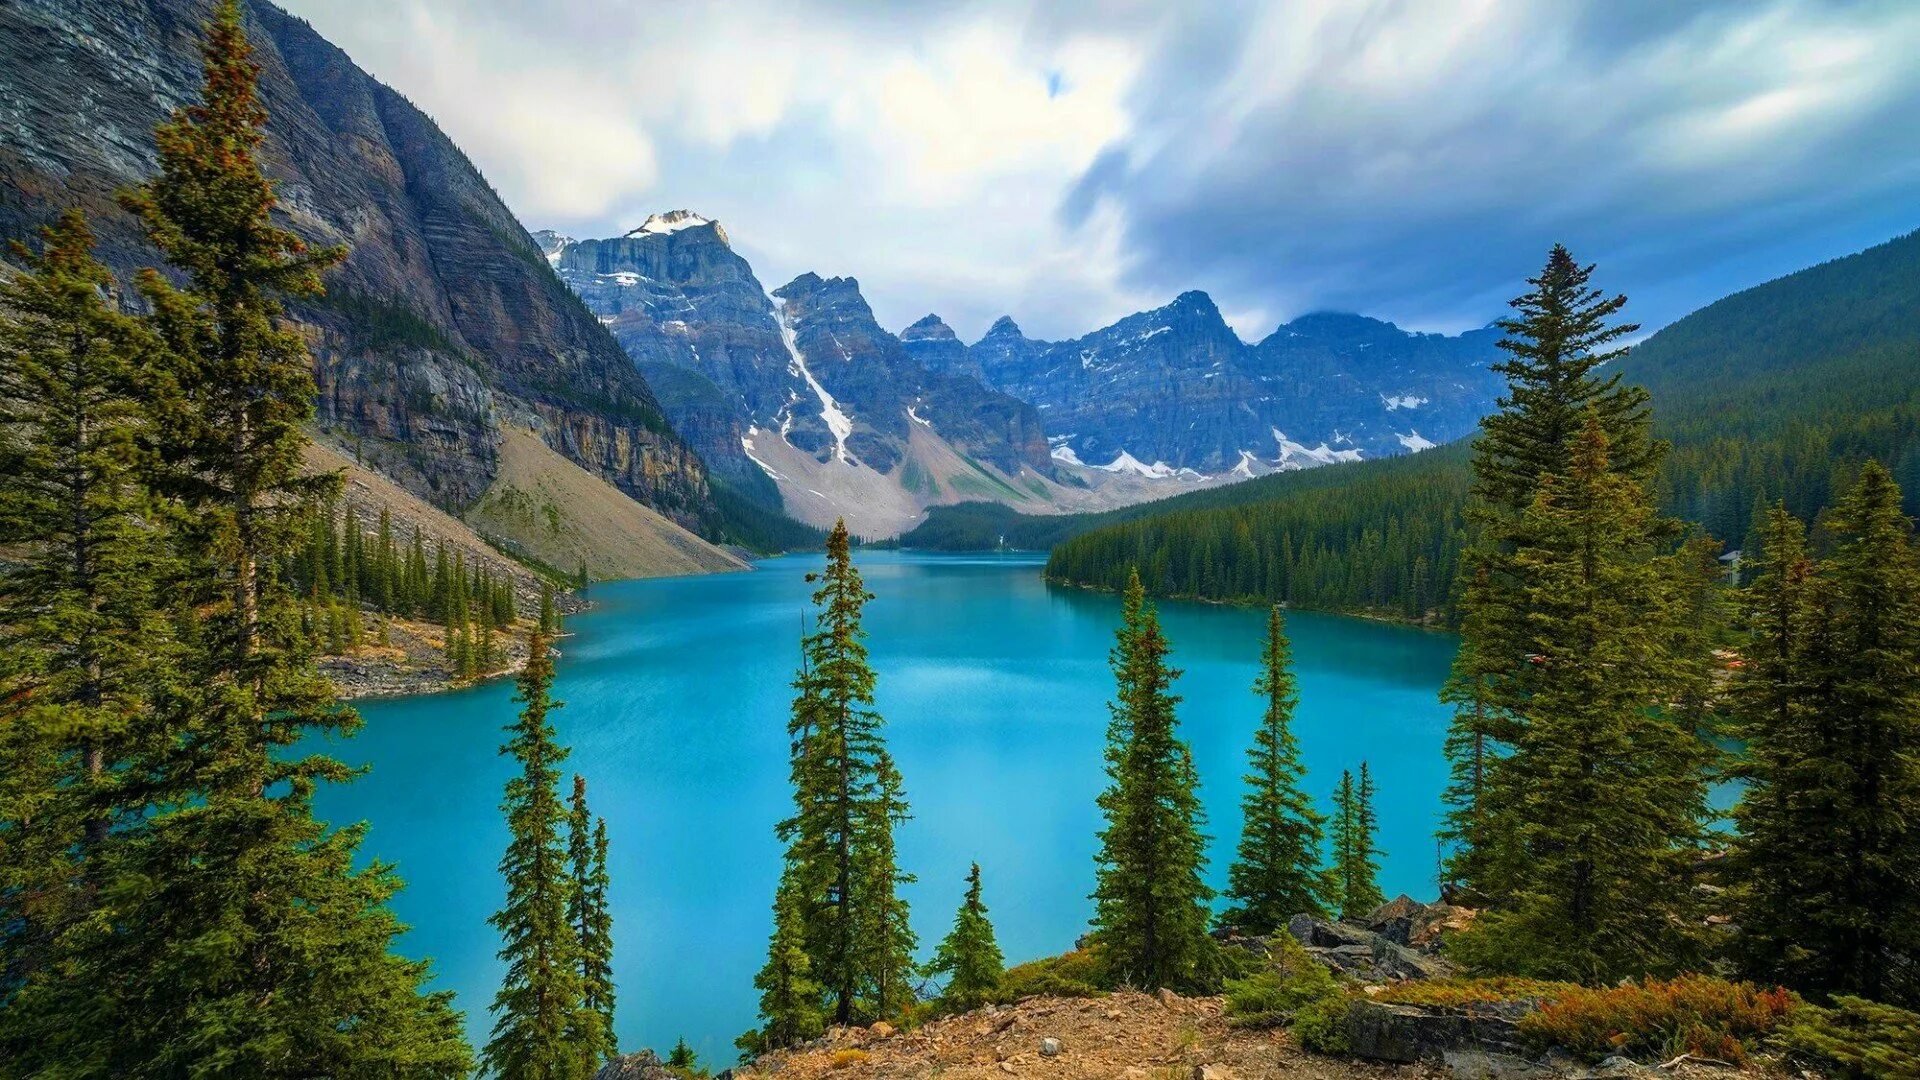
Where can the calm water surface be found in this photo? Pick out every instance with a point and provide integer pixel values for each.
(994, 688)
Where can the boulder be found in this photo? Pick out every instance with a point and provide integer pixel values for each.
(644, 1065)
(1408, 922)
(1362, 953)
(1416, 1033)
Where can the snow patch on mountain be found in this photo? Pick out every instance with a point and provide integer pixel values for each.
(670, 222)
(836, 420)
(1127, 463)
(1402, 401)
(1299, 456)
(1245, 469)
(1414, 442)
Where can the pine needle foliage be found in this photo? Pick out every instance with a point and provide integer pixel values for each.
(1276, 874)
(1150, 899)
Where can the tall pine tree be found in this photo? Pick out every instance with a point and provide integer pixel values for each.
(1277, 873)
(1356, 861)
(592, 921)
(538, 1011)
(841, 872)
(1150, 900)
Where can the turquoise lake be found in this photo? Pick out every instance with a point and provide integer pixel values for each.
(994, 688)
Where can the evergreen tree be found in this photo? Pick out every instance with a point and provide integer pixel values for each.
(1150, 899)
(538, 1009)
(969, 956)
(83, 634)
(1607, 787)
(1557, 346)
(789, 997)
(841, 868)
(206, 954)
(1829, 701)
(1356, 861)
(1277, 873)
(588, 914)
(549, 615)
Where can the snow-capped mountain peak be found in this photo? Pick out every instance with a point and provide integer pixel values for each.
(673, 221)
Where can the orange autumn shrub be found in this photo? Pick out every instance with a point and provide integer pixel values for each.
(1693, 1014)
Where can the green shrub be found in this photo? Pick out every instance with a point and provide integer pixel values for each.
(1321, 1024)
(1079, 973)
(1859, 1038)
(1694, 1014)
(1294, 990)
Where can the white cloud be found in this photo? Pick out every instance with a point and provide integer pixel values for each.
(1069, 164)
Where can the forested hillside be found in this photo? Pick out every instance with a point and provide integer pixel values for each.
(1781, 391)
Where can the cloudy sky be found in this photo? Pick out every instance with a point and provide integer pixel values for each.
(1070, 163)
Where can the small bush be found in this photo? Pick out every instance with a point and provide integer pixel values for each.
(843, 1058)
(1295, 990)
(1079, 973)
(1859, 1038)
(1321, 1024)
(1694, 1014)
(1459, 993)
(1289, 980)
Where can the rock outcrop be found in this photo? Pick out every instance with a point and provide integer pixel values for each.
(444, 324)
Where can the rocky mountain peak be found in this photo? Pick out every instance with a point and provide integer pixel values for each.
(1004, 327)
(929, 328)
(674, 221)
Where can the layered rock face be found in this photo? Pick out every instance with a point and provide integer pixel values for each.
(1176, 387)
(444, 324)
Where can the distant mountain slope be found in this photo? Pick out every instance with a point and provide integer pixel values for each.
(445, 325)
(1176, 386)
(1780, 391)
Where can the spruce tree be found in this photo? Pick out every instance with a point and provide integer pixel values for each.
(969, 956)
(84, 639)
(549, 615)
(1607, 787)
(790, 999)
(1829, 701)
(1277, 873)
(1363, 876)
(238, 934)
(592, 922)
(1150, 900)
(1356, 864)
(538, 1009)
(847, 799)
(1558, 345)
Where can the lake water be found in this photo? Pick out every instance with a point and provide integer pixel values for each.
(994, 688)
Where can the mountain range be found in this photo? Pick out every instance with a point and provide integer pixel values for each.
(800, 398)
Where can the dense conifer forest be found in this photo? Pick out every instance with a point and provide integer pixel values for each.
(1782, 392)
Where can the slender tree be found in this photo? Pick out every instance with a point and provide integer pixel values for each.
(841, 870)
(1356, 866)
(969, 956)
(538, 1009)
(1150, 900)
(592, 921)
(1277, 874)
